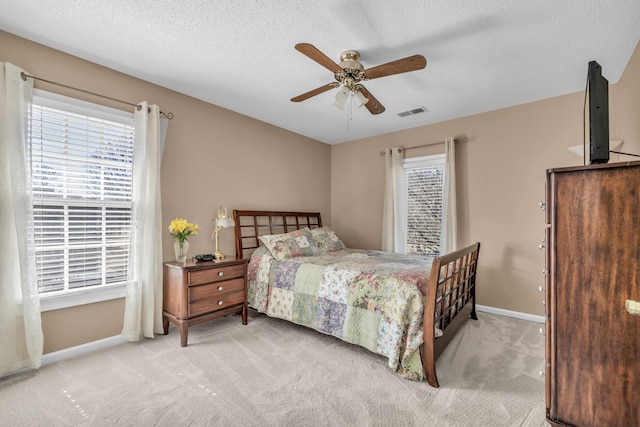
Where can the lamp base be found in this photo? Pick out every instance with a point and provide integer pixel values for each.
(219, 255)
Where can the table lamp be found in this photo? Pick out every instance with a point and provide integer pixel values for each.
(222, 221)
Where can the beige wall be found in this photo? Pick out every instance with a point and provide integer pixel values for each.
(212, 157)
(500, 178)
(625, 107)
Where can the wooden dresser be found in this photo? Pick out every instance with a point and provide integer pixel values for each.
(197, 292)
(592, 371)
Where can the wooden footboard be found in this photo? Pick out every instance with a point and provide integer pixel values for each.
(450, 301)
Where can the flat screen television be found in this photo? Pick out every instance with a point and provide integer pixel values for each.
(596, 116)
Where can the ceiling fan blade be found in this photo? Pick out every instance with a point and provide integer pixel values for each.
(411, 63)
(372, 105)
(312, 52)
(314, 92)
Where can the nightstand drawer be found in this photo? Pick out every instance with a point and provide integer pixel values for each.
(215, 296)
(217, 274)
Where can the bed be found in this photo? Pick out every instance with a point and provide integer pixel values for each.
(404, 307)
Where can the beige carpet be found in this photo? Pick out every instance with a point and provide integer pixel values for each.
(272, 373)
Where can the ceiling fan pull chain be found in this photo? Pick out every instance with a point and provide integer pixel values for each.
(350, 115)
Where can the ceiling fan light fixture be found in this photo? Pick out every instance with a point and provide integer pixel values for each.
(359, 99)
(342, 97)
(350, 73)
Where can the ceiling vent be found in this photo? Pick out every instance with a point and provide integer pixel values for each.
(413, 112)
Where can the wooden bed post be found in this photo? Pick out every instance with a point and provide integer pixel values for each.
(428, 346)
(474, 267)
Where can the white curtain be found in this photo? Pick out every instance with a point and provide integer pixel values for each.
(143, 306)
(20, 326)
(393, 218)
(449, 235)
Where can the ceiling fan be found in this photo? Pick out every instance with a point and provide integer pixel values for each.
(350, 73)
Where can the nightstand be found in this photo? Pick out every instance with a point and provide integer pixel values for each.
(196, 292)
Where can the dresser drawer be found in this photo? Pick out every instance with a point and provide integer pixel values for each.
(215, 296)
(210, 275)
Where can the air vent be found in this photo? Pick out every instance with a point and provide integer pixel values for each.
(412, 112)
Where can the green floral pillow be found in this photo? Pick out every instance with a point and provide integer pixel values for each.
(289, 245)
(327, 240)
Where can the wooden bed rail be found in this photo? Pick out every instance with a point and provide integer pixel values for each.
(450, 301)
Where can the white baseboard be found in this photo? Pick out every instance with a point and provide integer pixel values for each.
(79, 350)
(509, 313)
(68, 353)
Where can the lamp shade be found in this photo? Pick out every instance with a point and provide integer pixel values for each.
(225, 222)
(359, 99)
(342, 97)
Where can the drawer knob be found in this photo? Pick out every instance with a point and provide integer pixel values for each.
(219, 288)
(541, 245)
(220, 273)
(542, 331)
(542, 373)
(545, 271)
(540, 289)
(544, 302)
(542, 205)
(220, 303)
(633, 307)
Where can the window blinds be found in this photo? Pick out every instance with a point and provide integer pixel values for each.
(81, 183)
(423, 182)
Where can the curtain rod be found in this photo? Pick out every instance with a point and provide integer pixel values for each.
(25, 76)
(463, 139)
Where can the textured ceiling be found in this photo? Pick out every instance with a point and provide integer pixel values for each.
(239, 54)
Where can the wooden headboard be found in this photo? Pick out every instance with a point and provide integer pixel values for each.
(252, 224)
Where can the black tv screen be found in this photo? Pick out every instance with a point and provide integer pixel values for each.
(596, 116)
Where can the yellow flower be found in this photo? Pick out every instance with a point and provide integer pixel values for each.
(180, 229)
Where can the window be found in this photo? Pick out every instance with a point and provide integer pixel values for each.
(81, 157)
(423, 187)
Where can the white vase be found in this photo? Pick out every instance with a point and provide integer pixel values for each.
(181, 247)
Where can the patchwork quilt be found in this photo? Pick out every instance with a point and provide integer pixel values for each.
(369, 298)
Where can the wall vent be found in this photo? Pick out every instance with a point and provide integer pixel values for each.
(413, 111)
